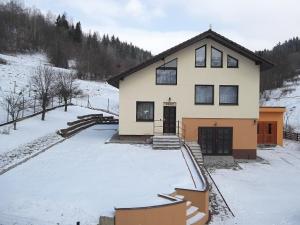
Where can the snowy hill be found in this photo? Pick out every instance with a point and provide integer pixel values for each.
(19, 68)
(288, 96)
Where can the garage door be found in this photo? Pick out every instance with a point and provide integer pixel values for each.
(215, 140)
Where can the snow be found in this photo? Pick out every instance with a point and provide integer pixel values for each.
(33, 128)
(21, 67)
(83, 178)
(288, 96)
(265, 192)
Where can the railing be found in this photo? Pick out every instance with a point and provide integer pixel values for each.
(158, 128)
(291, 135)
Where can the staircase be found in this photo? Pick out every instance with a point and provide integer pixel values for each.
(196, 151)
(166, 142)
(193, 215)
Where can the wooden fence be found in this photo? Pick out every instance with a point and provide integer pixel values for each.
(291, 136)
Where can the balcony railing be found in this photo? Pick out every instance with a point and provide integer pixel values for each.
(158, 128)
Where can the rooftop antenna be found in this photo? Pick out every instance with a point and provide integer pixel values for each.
(210, 26)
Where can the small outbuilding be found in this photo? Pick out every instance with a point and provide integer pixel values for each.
(270, 125)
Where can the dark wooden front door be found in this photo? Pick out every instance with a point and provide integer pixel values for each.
(267, 132)
(169, 119)
(215, 140)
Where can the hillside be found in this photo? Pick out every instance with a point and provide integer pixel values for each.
(96, 56)
(287, 96)
(21, 67)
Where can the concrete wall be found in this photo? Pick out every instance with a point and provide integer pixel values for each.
(141, 86)
(170, 214)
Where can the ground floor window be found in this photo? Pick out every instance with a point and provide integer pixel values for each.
(144, 111)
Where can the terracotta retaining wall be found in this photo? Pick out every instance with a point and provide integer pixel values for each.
(168, 214)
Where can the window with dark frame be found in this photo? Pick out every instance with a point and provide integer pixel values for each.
(200, 57)
(167, 73)
(228, 94)
(145, 111)
(216, 58)
(204, 94)
(232, 62)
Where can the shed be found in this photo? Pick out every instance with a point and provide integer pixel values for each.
(270, 125)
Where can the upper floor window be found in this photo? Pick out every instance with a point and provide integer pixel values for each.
(228, 94)
(232, 62)
(144, 111)
(204, 94)
(167, 73)
(200, 57)
(216, 58)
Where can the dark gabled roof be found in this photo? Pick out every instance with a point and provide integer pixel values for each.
(264, 64)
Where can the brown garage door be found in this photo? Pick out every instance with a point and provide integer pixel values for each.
(267, 132)
(215, 140)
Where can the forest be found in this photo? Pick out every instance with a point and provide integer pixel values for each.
(286, 57)
(27, 30)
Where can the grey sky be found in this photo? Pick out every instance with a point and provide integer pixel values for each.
(156, 25)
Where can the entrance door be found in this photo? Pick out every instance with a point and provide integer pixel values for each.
(215, 140)
(267, 132)
(169, 119)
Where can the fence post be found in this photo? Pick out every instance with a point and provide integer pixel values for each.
(108, 105)
(23, 107)
(7, 112)
(34, 103)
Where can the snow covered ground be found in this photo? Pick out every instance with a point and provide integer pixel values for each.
(21, 67)
(33, 128)
(288, 96)
(264, 192)
(83, 178)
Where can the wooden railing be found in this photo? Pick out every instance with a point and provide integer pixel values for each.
(291, 135)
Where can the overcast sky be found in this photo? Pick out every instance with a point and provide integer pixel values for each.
(157, 25)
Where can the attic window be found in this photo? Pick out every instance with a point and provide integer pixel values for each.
(200, 57)
(216, 58)
(232, 62)
(167, 73)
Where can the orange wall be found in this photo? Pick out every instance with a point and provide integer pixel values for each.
(274, 116)
(171, 214)
(244, 130)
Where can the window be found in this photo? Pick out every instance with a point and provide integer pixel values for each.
(167, 73)
(204, 94)
(200, 57)
(232, 62)
(144, 111)
(216, 58)
(228, 95)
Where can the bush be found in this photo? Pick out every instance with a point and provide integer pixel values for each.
(3, 61)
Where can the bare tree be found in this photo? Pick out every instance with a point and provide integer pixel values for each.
(66, 87)
(43, 82)
(14, 103)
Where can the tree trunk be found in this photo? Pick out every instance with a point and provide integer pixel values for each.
(15, 124)
(43, 113)
(66, 104)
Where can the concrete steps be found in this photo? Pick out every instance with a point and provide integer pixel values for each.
(166, 142)
(196, 151)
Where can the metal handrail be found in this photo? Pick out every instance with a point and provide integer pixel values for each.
(180, 130)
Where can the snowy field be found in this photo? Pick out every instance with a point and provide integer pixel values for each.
(33, 128)
(21, 67)
(288, 96)
(83, 178)
(265, 192)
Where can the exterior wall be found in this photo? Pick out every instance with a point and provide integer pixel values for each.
(275, 114)
(244, 140)
(141, 86)
(172, 214)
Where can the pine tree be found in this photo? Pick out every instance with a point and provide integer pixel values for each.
(78, 33)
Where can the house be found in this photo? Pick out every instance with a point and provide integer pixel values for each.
(205, 90)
